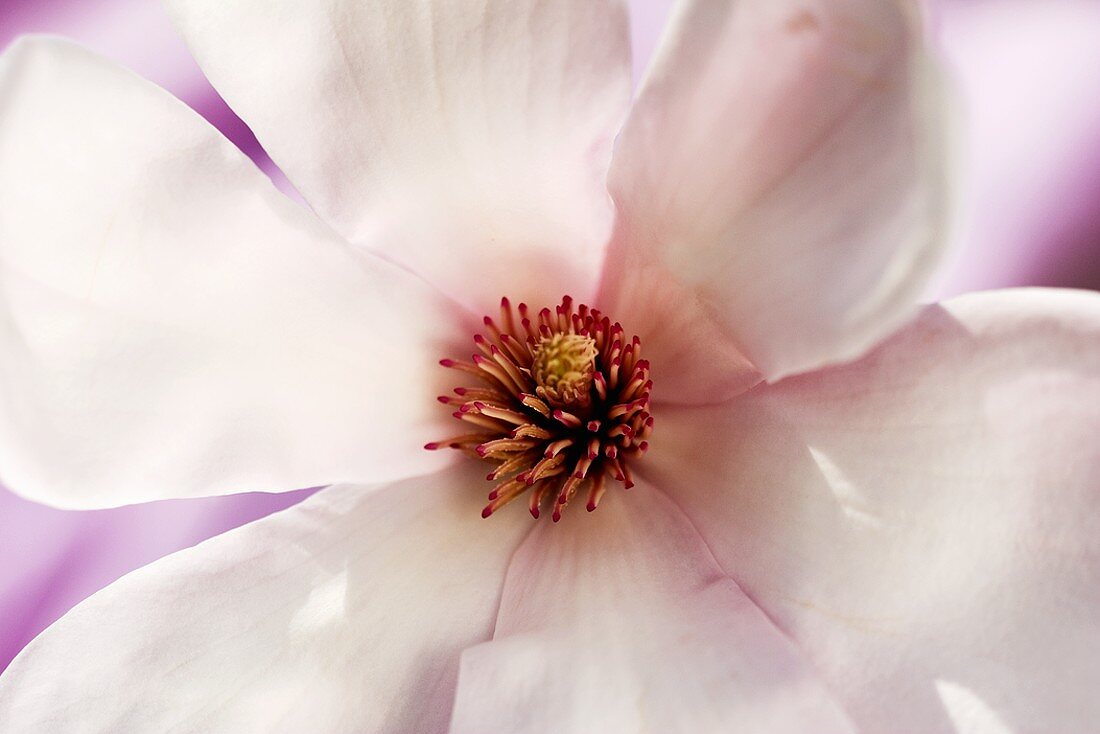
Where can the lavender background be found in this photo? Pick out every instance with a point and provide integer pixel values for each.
(1029, 84)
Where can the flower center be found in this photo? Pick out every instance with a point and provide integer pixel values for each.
(561, 405)
(563, 365)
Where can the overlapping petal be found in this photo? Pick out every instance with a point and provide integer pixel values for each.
(914, 534)
(476, 134)
(621, 621)
(344, 613)
(779, 178)
(170, 325)
(924, 523)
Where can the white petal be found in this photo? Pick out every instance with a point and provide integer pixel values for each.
(476, 135)
(620, 621)
(51, 560)
(345, 613)
(781, 170)
(925, 523)
(170, 325)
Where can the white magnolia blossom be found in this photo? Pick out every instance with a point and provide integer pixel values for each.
(905, 543)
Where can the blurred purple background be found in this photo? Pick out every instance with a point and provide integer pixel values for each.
(1029, 84)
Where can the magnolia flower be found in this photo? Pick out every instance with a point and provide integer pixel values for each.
(901, 543)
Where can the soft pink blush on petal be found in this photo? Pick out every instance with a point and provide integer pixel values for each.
(345, 613)
(620, 622)
(468, 143)
(925, 522)
(726, 179)
(696, 362)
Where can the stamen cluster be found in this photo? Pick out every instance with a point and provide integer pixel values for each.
(563, 403)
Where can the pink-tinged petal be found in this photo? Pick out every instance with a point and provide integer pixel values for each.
(170, 325)
(780, 174)
(138, 35)
(621, 621)
(475, 136)
(346, 613)
(51, 560)
(925, 523)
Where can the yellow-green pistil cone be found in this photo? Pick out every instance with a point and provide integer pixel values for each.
(563, 369)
